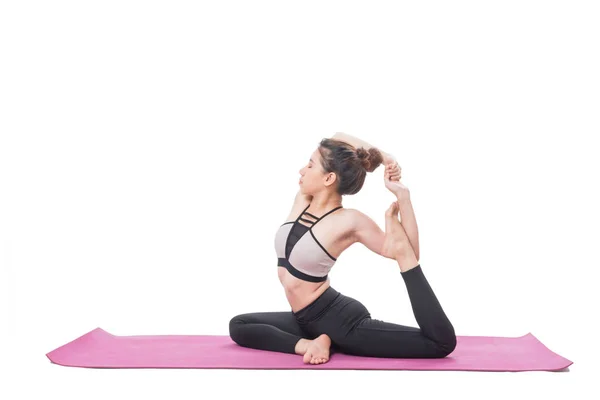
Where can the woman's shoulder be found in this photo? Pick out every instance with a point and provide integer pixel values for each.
(352, 213)
(351, 218)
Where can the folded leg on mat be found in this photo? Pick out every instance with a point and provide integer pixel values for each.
(435, 337)
(375, 338)
(273, 331)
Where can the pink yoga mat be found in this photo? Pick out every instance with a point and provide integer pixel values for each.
(100, 349)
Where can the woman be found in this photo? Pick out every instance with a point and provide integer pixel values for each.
(318, 230)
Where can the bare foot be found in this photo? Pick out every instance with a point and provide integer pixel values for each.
(317, 350)
(396, 240)
(396, 243)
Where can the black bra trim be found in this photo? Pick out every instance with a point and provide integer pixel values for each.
(312, 222)
(284, 263)
(321, 246)
(287, 240)
(327, 213)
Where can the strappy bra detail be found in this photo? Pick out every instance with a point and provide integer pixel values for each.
(301, 254)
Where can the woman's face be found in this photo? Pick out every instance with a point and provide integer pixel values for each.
(311, 174)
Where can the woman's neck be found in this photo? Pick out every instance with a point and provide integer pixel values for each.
(322, 204)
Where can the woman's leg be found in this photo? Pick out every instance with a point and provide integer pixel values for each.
(434, 339)
(273, 331)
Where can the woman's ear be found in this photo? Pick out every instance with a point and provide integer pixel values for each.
(330, 179)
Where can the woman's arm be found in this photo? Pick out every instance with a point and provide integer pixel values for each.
(391, 178)
(302, 198)
(367, 232)
(352, 140)
(356, 142)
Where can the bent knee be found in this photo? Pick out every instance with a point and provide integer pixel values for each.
(234, 327)
(447, 346)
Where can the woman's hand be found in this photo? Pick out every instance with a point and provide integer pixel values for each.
(391, 178)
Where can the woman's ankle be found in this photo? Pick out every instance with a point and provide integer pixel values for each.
(301, 346)
(407, 260)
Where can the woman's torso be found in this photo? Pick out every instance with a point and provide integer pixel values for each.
(333, 233)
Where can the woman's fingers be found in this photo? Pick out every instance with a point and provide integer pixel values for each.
(393, 171)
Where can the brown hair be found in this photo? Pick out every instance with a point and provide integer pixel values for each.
(350, 164)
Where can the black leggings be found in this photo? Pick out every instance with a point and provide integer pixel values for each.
(350, 326)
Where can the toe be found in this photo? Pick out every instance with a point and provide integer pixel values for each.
(307, 357)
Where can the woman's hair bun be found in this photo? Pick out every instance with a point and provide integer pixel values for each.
(370, 159)
(362, 154)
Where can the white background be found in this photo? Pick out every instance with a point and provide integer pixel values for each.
(150, 150)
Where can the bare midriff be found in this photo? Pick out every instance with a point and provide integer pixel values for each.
(300, 293)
